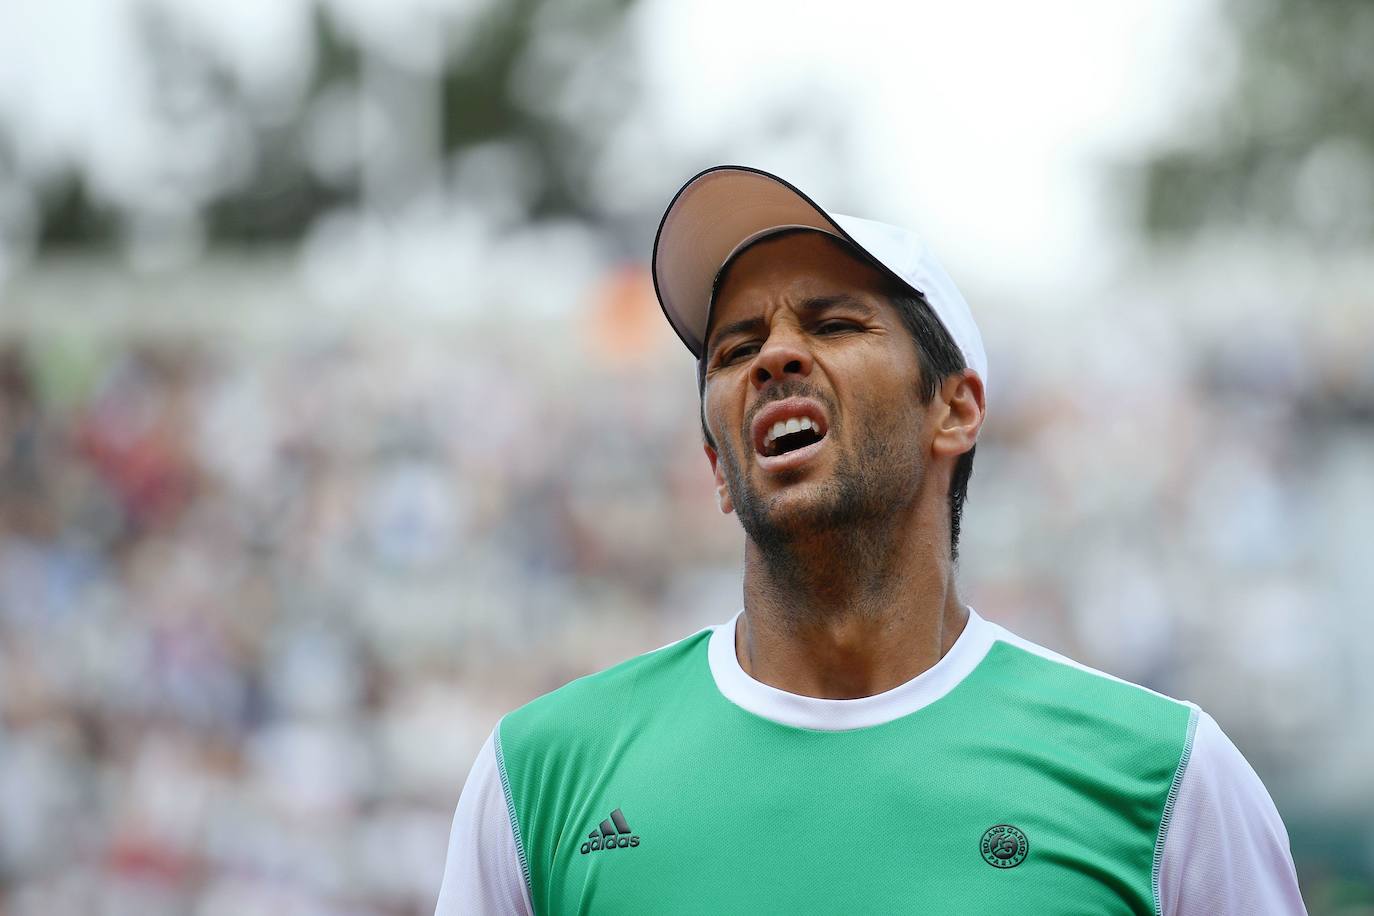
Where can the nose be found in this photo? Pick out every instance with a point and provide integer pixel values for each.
(783, 354)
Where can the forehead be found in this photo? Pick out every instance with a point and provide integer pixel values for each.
(793, 264)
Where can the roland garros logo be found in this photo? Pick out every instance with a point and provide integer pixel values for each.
(1004, 846)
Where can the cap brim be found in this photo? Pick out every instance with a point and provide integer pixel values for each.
(707, 219)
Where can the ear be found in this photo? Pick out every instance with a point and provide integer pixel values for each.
(722, 491)
(964, 405)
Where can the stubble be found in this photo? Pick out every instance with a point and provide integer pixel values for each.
(848, 524)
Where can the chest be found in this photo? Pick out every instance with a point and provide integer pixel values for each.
(715, 820)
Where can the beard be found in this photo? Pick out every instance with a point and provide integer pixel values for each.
(868, 485)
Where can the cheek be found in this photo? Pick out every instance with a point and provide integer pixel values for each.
(890, 409)
(710, 416)
(721, 415)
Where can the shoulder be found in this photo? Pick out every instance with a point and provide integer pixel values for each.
(1218, 781)
(1097, 725)
(1049, 677)
(1221, 848)
(1073, 670)
(587, 708)
(1224, 848)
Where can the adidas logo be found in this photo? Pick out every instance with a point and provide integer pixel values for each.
(614, 834)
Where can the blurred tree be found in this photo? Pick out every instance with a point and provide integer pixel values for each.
(254, 175)
(70, 217)
(283, 195)
(1289, 147)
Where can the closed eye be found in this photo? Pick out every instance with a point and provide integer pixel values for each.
(746, 349)
(827, 328)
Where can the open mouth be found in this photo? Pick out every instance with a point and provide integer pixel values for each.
(787, 432)
(789, 435)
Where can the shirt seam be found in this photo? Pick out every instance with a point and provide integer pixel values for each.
(510, 812)
(1169, 801)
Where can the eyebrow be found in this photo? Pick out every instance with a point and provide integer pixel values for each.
(812, 305)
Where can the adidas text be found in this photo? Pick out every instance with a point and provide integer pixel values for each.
(611, 842)
(614, 833)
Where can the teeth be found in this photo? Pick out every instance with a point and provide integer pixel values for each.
(784, 427)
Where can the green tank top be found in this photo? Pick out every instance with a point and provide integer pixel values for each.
(1031, 786)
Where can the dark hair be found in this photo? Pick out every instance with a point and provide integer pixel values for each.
(940, 358)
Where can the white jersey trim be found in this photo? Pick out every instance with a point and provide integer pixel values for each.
(843, 715)
(1226, 851)
(483, 872)
(1170, 806)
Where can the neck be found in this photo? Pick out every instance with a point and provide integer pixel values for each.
(850, 613)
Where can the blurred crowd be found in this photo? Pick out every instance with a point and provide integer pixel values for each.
(260, 604)
(259, 610)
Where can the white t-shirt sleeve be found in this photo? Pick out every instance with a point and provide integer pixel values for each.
(482, 874)
(1225, 850)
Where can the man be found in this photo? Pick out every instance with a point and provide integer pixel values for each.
(856, 739)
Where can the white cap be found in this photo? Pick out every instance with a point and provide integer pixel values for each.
(724, 209)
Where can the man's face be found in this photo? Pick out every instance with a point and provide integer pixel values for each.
(803, 333)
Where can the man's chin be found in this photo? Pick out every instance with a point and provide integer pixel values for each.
(800, 511)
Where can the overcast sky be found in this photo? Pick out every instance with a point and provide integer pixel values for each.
(982, 123)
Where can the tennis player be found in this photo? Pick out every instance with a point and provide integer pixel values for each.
(856, 739)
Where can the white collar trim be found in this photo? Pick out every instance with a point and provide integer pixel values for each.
(842, 715)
